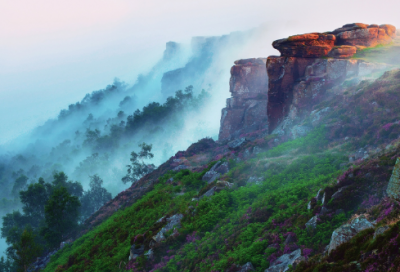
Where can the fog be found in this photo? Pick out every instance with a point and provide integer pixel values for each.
(55, 54)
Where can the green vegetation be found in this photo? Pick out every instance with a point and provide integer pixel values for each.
(233, 226)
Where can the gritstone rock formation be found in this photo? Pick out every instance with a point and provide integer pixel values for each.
(263, 97)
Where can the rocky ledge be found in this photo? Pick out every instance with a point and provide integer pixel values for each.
(270, 94)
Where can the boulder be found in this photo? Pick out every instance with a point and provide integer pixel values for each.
(282, 263)
(347, 231)
(290, 239)
(246, 110)
(342, 51)
(216, 171)
(254, 179)
(180, 167)
(172, 222)
(135, 251)
(380, 230)
(149, 254)
(339, 193)
(209, 193)
(311, 45)
(236, 144)
(247, 267)
(312, 223)
(368, 37)
(393, 188)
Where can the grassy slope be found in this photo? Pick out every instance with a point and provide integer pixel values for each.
(240, 225)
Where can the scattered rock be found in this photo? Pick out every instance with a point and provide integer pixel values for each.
(291, 238)
(282, 263)
(149, 254)
(380, 230)
(209, 193)
(393, 189)
(236, 144)
(172, 222)
(312, 223)
(324, 210)
(42, 262)
(135, 251)
(339, 192)
(254, 179)
(247, 267)
(348, 231)
(339, 211)
(180, 167)
(216, 171)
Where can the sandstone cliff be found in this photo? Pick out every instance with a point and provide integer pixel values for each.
(274, 96)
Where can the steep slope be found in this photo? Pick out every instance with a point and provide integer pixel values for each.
(265, 202)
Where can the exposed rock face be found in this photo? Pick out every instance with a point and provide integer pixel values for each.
(348, 231)
(172, 222)
(309, 65)
(247, 267)
(312, 45)
(216, 171)
(393, 189)
(246, 110)
(282, 263)
(135, 251)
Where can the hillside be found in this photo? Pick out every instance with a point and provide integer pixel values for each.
(304, 175)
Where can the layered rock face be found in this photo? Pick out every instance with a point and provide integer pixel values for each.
(262, 98)
(312, 63)
(246, 110)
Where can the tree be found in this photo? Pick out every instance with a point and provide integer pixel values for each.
(73, 187)
(5, 265)
(34, 200)
(61, 216)
(95, 198)
(138, 168)
(20, 183)
(26, 251)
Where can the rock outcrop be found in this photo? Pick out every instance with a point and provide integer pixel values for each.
(282, 263)
(348, 231)
(309, 65)
(393, 189)
(246, 110)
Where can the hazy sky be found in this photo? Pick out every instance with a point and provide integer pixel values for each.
(54, 52)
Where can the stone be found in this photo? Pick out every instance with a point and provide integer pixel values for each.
(209, 193)
(312, 223)
(149, 254)
(290, 239)
(180, 167)
(255, 180)
(369, 37)
(393, 188)
(339, 193)
(216, 171)
(282, 263)
(299, 131)
(247, 267)
(135, 251)
(319, 195)
(380, 230)
(342, 51)
(347, 231)
(324, 210)
(172, 222)
(246, 110)
(311, 45)
(236, 144)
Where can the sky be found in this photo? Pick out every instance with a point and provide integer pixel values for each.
(54, 52)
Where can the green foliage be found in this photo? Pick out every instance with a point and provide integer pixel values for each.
(94, 198)
(26, 251)
(61, 216)
(315, 141)
(138, 168)
(19, 183)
